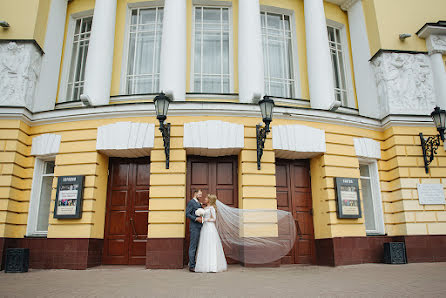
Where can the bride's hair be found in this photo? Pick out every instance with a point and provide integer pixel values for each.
(213, 201)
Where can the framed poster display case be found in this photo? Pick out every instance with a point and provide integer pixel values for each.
(347, 197)
(69, 197)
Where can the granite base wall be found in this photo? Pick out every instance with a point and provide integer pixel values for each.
(358, 250)
(57, 253)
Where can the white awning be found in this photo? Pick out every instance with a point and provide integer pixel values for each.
(367, 148)
(46, 144)
(298, 141)
(126, 139)
(213, 138)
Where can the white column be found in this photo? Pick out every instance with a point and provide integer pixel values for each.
(436, 44)
(250, 51)
(364, 77)
(46, 90)
(173, 49)
(320, 73)
(98, 68)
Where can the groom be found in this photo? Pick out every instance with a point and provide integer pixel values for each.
(196, 223)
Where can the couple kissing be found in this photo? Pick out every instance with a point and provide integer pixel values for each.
(205, 248)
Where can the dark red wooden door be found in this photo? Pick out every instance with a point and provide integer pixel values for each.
(213, 176)
(293, 190)
(126, 221)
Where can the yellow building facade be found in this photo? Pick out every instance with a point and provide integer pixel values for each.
(354, 83)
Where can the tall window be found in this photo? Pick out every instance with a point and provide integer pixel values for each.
(81, 40)
(143, 63)
(39, 209)
(277, 54)
(211, 65)
(337, 59)
(373, 214)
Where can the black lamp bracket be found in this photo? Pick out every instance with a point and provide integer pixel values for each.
(261, 134)
(165, 132)
(430, 147)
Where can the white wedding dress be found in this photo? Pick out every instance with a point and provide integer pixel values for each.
(210, 255)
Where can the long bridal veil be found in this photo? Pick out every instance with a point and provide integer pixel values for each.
(255, 236)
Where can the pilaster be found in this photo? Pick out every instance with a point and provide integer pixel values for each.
(364, 77)
(250, 66)
(98, 68)
(173, 50)
(320, 73)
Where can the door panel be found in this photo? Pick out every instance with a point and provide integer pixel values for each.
(283, 201)
(294, 195)
(127, 211)
(213, 176)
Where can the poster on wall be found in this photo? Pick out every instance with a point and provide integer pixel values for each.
(347, 196)
(69, 197)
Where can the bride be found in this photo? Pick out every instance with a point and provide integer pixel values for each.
(231, 226)
(210, 255)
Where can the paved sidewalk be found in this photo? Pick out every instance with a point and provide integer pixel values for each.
(368, 280)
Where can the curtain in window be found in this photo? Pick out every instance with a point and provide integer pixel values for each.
(81, 40)
(211, 50)
(143, 65)
(277, 55)
(337, 58)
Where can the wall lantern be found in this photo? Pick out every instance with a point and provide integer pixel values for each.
(431, 145)
(161, 106)
(266, 107)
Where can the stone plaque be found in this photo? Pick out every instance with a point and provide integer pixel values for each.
(431, 194)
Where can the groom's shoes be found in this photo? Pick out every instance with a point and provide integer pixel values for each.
(191, 269)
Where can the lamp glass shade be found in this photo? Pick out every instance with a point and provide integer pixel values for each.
(266, 107)
(161, 105)
(439, 117)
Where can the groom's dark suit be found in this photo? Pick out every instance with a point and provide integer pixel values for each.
(194, 228)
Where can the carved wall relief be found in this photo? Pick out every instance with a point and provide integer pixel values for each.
(405, 83)
(19, 71)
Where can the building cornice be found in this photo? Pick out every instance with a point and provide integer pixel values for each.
(346, 5)
(203, 109)
(438, 28)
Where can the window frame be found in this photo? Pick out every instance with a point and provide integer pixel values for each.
(126, 47)
(34, 204)
(294, 48)
(68, 52)
(213, 4)
(376, 197)
(347, 66)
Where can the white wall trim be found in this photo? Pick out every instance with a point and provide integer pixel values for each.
(213, 138)
(346, 53)
(367, 148)
(46, 144)
(126, 139)
(211, 3)
(206, 109)
(298, 141)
